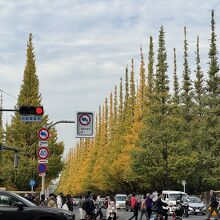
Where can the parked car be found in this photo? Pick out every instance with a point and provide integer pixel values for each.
(13, 206)
(196, 206)
(170, 197)
(120, 200)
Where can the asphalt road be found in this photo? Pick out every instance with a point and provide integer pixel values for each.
(123, 215)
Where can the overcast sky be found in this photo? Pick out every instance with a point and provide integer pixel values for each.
(83, 46)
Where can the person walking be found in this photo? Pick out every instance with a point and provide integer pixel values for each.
(149, 205)
(213, 205)
(81, 211)
(134, 207)
(159, 207)
(60, 200)
(43, 201)
(88, 206)
(143, 208)
(52, 201)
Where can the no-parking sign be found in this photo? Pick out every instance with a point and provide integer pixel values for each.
(85, 124)
(42, 168)
(43, 134)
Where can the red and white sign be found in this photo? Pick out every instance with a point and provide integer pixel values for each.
(43, 134)
(84, 119)
(85, 124)
(42, 174)
(43, 153)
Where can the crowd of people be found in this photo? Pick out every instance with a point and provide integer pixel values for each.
(91, 207)
(53, 201)
(147, 205)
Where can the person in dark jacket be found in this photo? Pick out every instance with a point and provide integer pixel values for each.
(159, 207)
(213, 205)
(149, 204)
(88, 206)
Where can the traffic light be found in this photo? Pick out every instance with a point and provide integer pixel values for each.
(31, 110)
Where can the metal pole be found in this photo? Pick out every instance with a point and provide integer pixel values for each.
(49, 127)
(58, 122)
(32, 188)
(43, 185)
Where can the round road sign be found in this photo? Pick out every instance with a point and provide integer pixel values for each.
(32, 182)
(43, 152)
(84, 119)
(43, 134)
(42, 168)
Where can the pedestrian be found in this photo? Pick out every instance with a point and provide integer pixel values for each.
(42, 200)
(111, 210)
(88, 206)
(51, 201)
(134, 207)
(149, 205)
(60, 200)
(81, 211)
(98, 206)
(69, 202)
(143, 208)
(213, 205)
(37, 200)
(159, 207)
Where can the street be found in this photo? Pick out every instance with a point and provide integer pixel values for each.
(123, 215)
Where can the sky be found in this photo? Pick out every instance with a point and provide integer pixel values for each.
(82, 47)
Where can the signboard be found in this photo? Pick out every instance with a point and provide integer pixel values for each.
(42, 161)
(32, 183)
(43, 134)
(43, 144)
(42, 168)
(42, 174)
(85, 124)
(43, 153)
(31, 118)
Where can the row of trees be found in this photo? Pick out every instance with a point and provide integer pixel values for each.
(23, 136)
(148, 137)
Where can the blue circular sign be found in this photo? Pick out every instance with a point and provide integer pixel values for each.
(42, 168)
(32, 182)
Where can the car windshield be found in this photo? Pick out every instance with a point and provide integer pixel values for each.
(121, 198)
(195, 200)
(174, 197)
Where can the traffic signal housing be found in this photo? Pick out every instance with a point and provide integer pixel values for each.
(31, 110)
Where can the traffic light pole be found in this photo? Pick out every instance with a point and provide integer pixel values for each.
(58, 122)
(49, 127)
(8, 110)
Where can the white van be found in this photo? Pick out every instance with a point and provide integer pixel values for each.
(170, 197)
(120, 200)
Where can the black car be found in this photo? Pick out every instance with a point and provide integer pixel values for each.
(15, 207)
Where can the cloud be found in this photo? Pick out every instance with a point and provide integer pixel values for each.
(83, 47)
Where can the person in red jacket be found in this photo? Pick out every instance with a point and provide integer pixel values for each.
(133, 201)
(134, 207)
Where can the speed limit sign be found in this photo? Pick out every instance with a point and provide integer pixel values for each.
(43, 153)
